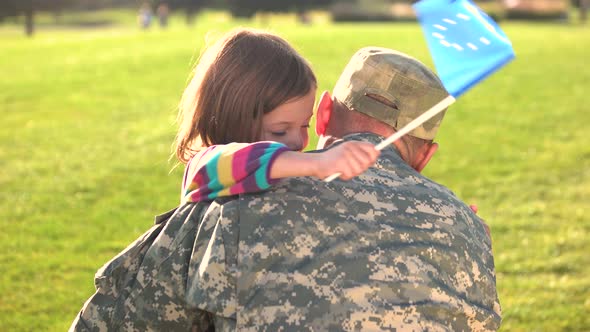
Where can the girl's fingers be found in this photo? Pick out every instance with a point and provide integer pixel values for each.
(367, 155)
(358, 163)
(362, 157)
(354, 158)
(369, 151)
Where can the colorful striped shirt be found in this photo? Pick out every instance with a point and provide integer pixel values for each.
(231, 169)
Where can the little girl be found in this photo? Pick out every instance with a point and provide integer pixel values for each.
(244, 119)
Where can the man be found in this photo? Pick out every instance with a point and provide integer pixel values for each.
(388, 250)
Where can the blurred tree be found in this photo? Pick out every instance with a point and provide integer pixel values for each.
(247, 8)
(28, 8)
(190, 7)
(238, 8)
(8, 8)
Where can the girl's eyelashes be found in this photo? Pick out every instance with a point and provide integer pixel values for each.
(284, 131)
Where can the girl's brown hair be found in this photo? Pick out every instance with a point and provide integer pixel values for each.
(244, 75)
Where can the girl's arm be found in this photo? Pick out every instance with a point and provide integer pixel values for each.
(225, 170)
(348, 158)
(230, 169)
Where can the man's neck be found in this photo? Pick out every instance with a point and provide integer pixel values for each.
(369, 137)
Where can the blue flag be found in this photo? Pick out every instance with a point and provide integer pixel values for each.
(465, 43)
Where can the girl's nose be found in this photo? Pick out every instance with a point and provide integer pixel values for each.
(297, 144)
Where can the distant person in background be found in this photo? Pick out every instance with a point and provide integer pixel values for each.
(304, 17)
(584, 4)
(163, 11)
(145, 15)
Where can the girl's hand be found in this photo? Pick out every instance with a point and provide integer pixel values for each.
(349, 158)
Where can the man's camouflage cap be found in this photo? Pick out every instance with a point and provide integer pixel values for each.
(391, 87)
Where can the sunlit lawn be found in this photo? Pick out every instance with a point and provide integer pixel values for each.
(87, 122)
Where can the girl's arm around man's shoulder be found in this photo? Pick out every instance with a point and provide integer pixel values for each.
(230, 169)
(236, 168)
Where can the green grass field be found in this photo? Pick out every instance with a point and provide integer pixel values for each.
(87, 122)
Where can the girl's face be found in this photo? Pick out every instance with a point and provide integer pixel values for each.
(289, 122)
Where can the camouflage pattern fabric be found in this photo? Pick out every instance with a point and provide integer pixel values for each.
(387, 251)
(144, 287)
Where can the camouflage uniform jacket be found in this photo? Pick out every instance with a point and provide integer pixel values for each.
(389, 250)
(144, 288)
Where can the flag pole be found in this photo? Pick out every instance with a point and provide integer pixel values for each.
(434, 110)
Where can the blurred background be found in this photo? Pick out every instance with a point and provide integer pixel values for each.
(88, 99)
(25, 11)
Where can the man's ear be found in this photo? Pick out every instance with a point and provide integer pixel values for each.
(425, 155)
(324, 113)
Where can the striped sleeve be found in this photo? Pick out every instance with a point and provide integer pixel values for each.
(231, 169)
